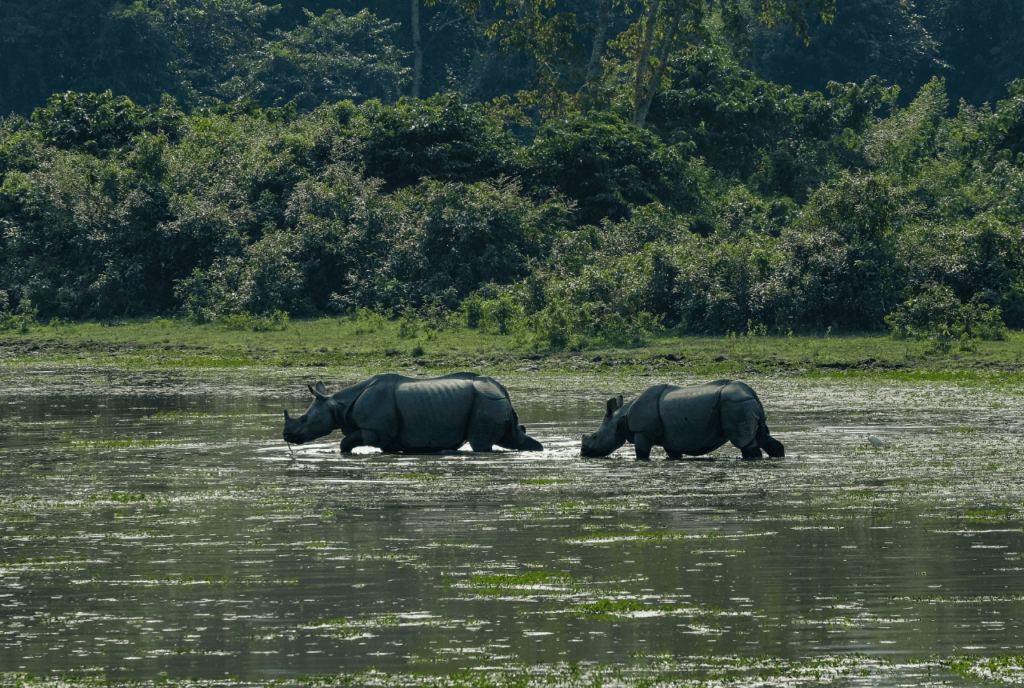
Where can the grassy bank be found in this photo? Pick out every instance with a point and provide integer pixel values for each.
(377, 344)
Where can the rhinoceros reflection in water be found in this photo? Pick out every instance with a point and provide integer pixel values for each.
(686, 420)
(404, 414)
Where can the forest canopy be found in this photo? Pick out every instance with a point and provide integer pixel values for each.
(575, 170)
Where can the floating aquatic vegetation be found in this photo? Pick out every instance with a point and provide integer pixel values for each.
(1001, 669)
(224, 552)
(529, 583)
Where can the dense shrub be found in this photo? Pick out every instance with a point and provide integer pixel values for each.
(100, 122)
(936, 312)
(433, 212)
(18, 320)
(609, 167)
(440, 138)
(783, 142)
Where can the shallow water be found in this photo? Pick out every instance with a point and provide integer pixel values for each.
(157, 523)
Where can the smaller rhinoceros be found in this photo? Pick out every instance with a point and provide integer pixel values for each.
(400, 414)
(686, 420)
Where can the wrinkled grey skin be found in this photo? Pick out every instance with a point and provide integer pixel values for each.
(686, 420)
(400, 414)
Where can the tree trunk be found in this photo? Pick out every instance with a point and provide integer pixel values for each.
(594, 66)
(417, 50)
(641, 58)
(641, 114)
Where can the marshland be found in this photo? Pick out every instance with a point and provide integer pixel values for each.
(155, 524)
(208, 205)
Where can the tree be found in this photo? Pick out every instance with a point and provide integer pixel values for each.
(55, 46)
(627, 71)
(981, 45)
(219, 49)
(332, 57)
(873, 37)
(210, 41)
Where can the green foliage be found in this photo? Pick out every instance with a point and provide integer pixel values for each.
(263, 279)
(868, 37)
(472, 308)
(608, 167)
(631, 46)
(1010, 121)
(20, 319)
(594, 232)
(936, 313)
(220, 49)
(438, 138)
(275, 321)
(211, 43)
(331, 57)
(898, 143)
(90, 121)
(785, 143)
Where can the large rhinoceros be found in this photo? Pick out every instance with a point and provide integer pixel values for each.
(686, 420)
(411, 415)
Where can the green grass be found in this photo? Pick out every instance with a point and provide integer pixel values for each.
(614, 609)
(377, 344)
(122, 497)
(1002, 669)
(648, 670)
(118, 444)
(526, 583)
(642, 537)
(420, 476)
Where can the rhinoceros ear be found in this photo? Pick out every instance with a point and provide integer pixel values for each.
(618, 399)
(612, 407)
(320, 388)
(315, 391)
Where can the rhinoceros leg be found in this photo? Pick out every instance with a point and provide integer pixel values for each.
(773, 447)
(360, 438)
(751, 452)
(643, 445)
(740, 421)
(351, 442)
(490, 417)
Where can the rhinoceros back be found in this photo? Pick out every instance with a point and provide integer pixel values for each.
(691, 417)
(433, 414)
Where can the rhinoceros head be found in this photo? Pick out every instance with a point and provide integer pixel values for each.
(609, 436)
(317, 421)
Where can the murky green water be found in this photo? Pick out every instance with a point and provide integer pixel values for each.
(151, 523)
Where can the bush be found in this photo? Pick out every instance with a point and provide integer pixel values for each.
(473, 309)
(936, 313)
(265, 279)
(18, 320)
(608, 167)
(100, 122)
(439, 138)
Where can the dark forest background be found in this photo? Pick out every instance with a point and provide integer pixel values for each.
(53, 46)
(579, 168)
